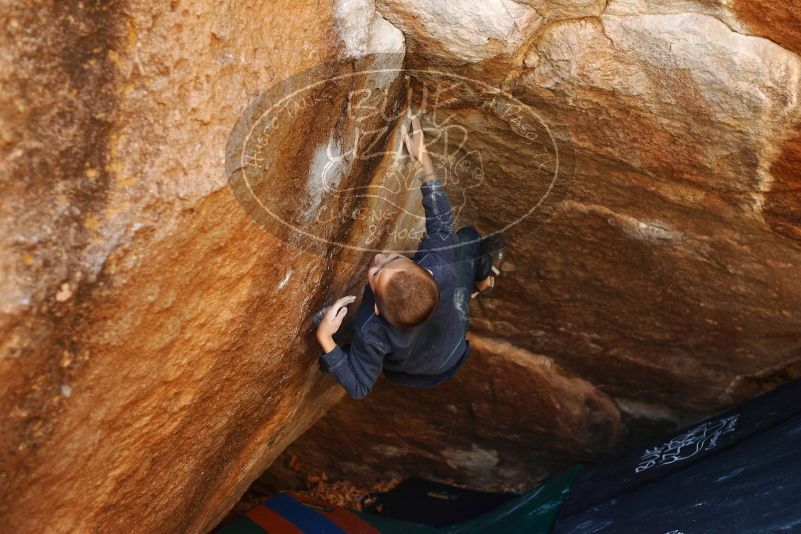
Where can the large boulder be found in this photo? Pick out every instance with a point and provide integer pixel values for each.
(506, 419)
(156, 348)
(664, 275)
(642, 157)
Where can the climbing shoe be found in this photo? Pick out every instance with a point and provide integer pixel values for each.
(493, 253)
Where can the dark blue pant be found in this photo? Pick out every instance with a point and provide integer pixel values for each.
(470, 266)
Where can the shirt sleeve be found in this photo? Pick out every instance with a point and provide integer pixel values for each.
(439, 237)
(356, 366)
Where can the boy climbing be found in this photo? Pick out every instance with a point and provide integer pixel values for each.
(413, 316)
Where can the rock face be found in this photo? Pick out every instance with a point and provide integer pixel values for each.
(155, 340)
(485, 428)
(156, 349)
(665, 276)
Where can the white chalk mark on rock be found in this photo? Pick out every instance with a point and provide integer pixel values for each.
(64, 292)
(364, 31)
(325, 173)
(476, 460)
(286, 278)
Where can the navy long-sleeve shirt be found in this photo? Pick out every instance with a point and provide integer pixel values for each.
(408, 355)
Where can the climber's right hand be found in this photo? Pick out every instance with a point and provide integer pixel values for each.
(415, 143)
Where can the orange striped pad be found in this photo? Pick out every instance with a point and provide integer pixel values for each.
(344, 519)
(272, 522)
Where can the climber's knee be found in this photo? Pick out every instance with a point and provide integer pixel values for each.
(467, 234)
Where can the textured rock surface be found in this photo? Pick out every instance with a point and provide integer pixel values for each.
(508, 416)
(155, 349)
(666, 276)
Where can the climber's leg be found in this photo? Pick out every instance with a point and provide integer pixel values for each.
(467, 253)
(467, 262)
(484, 255)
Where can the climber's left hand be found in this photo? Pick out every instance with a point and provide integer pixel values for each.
(332, 320)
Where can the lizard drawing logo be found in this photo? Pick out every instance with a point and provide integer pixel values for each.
(319, 160)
